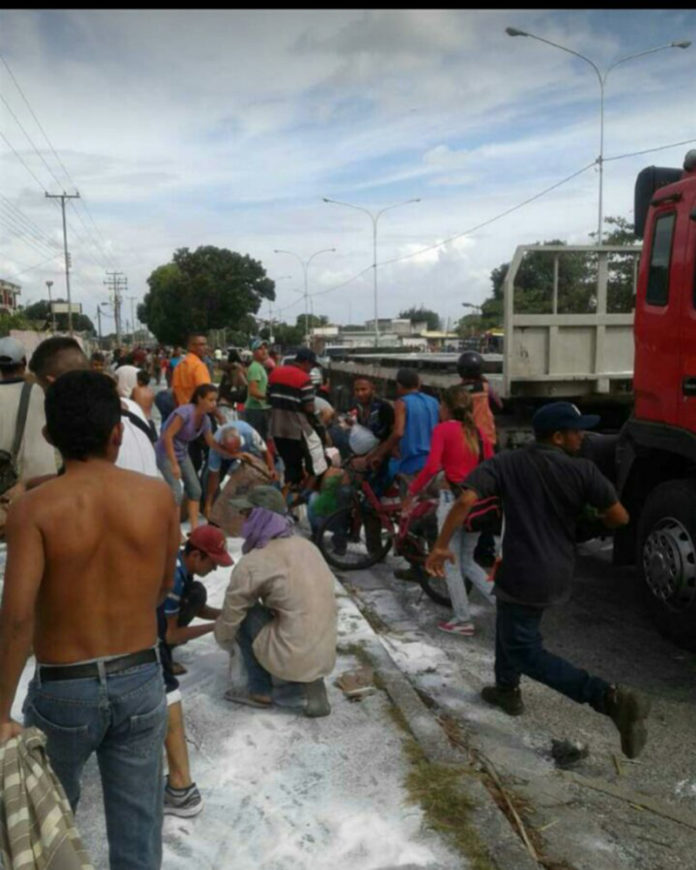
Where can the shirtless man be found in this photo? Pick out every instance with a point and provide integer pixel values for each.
(85, 573)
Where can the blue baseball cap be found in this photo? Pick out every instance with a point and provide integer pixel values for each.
(258, 342)
(562, 415)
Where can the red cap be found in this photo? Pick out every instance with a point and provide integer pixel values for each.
(211, 541)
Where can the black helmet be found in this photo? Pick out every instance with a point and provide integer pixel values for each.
(470, 364)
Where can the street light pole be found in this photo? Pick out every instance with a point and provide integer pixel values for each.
(305, 268)
(602, 80)
(374, 218)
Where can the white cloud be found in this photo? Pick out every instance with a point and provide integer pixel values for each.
(226, 127)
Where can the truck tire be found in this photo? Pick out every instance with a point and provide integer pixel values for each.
(666, 559)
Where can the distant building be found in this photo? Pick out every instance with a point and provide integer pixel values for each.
(8, 296)
(396, 332)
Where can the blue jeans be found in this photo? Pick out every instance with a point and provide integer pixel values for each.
(123, 718)
(259, 680)
(519, 649)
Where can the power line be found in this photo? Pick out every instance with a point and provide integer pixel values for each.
(23, 237)
(92, 239)
(491, 220)
(10, 223)
(30, 141)
(38, 123)
(650, 150)
(18, 215)
(22, 161)
(38, 265)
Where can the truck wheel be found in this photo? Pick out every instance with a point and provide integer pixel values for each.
(666, 559)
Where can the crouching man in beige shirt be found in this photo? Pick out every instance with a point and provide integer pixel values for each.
(280, 608)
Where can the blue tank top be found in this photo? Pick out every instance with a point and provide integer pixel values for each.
(422, 416)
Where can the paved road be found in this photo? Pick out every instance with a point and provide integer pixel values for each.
(604, 629)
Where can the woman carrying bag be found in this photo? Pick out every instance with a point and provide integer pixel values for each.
(457, 446)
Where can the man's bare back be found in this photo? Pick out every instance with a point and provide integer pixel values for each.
(108, 541)
(145, 397)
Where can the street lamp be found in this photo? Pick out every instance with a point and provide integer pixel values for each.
(305, 267)
(602, 79)
(374, 218)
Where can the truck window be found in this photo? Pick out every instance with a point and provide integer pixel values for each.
(658, 277)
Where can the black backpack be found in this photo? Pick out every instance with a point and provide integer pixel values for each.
(9, 474)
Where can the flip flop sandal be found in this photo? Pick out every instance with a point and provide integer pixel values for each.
(247, 700)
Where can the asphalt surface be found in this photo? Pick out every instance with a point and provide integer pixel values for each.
(605, 812)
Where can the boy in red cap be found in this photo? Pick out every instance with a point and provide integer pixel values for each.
(203, 552)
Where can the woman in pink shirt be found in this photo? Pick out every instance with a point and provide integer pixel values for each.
(455, 448)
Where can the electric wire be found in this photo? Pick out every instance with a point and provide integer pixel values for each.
(466, 232)
(22, 220)
(649, 150)
(93, 239)
(38, 265)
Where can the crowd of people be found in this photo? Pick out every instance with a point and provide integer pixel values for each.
(104, 612)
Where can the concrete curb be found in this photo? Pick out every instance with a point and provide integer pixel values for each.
(505, 849)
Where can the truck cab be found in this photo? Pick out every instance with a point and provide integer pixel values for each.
(656, 453)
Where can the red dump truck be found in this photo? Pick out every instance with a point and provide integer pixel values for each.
(656, 450)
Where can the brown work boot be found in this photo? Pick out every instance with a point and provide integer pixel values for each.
(317, 701)
(628, 710)
(508, 699)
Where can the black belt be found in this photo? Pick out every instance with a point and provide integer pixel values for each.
(47, 673)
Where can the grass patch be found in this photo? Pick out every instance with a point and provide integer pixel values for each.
(438, 789)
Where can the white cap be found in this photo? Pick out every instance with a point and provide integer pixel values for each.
(12, 352)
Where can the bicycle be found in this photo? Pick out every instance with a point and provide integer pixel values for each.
(361, 532)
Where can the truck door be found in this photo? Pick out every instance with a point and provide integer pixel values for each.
(657, 373)
(687, 387)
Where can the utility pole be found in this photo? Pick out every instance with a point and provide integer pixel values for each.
(132, 300)
(117, 282)
(270, 323)
(49, 284)
(99, 329)
(62, 197)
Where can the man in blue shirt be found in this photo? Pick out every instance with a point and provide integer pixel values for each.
(243, 440)
(204, 551)
(416, 414)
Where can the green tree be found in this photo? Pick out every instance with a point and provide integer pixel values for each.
(577, 277)
(620, 289)
(312, 321)
(470, 324)
(16, 320)
(286, 335)
(418, 315)
(209, 288)
(40, 312)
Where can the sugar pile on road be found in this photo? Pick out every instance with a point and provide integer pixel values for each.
(283, 792)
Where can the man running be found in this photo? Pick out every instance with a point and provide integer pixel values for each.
(544, 488)
(85, 573)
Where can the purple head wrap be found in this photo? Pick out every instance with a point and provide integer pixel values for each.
(261, 526)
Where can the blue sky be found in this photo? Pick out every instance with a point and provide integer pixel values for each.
(183, 128)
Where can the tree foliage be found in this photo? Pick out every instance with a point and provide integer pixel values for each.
(209, 288)
(41, 313)
(286, 335)
(577, 278)
(15, 320)
(418, 315)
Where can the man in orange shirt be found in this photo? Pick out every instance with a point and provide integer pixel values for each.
(191, 372)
